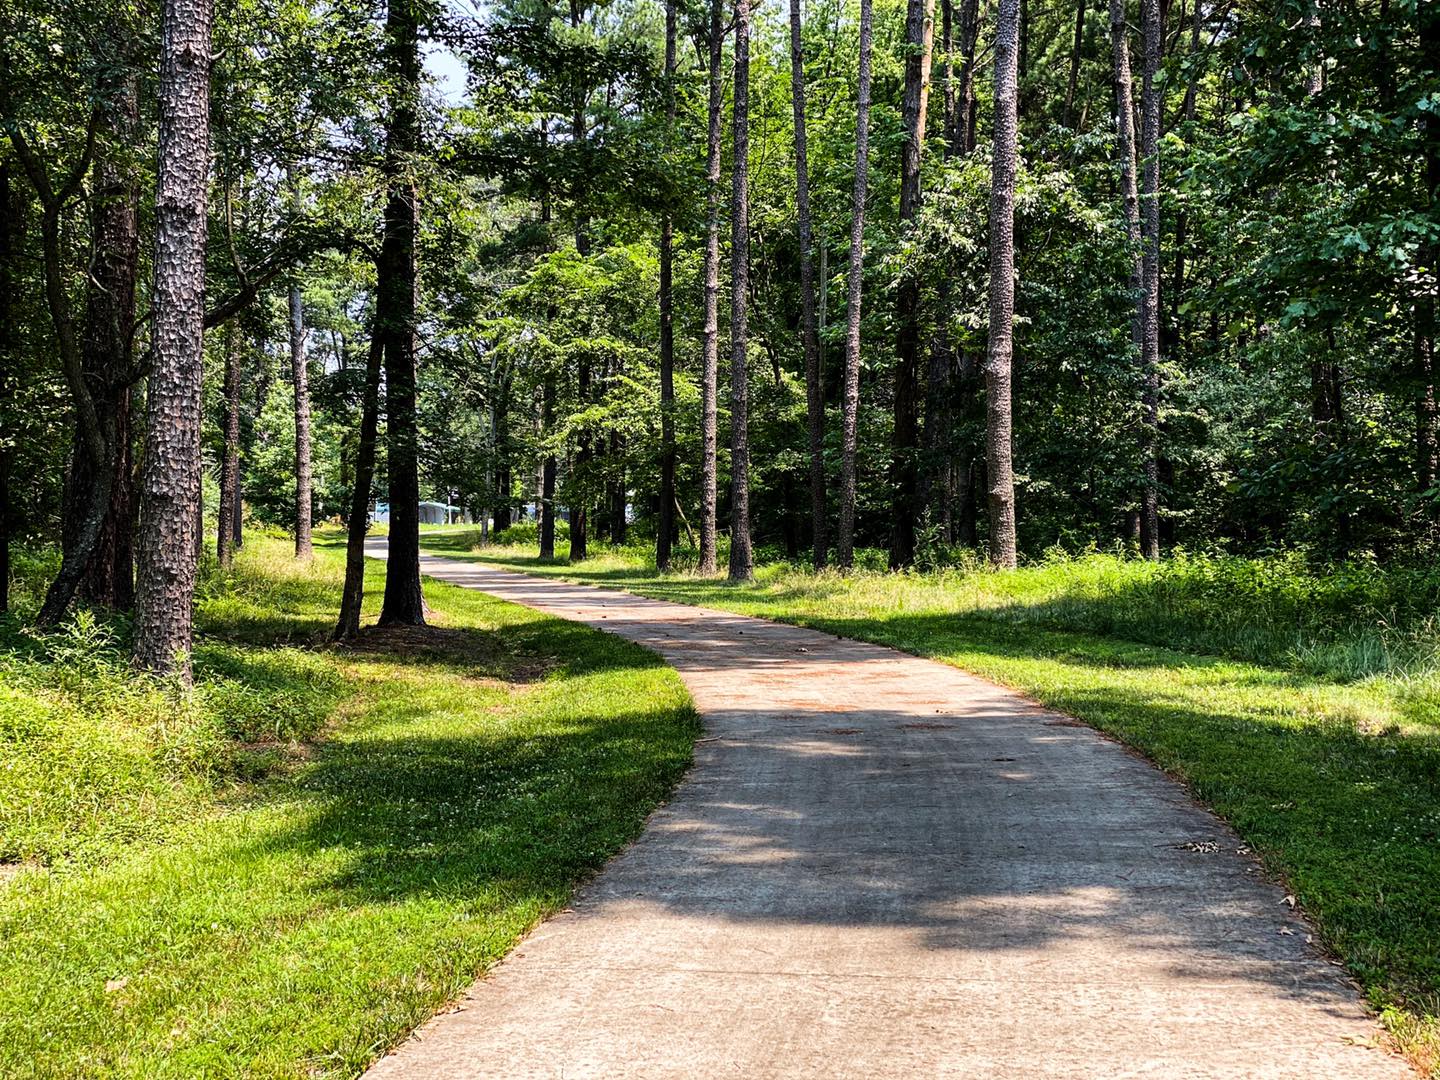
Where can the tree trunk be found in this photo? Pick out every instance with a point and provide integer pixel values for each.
(665, 525)
(547, 473)
(501, 439)
(581, 466)
(850, 402)
(300, 376)
(352, 597)
(998, 419)
(170, 487)
(710, 373)
(1426, 452)
(404, 603)
(92, 373)
(741, 562)
(618, 500)
(1150, 94)
(809, 331)
(9, 282)
(230, 456)
(905, 441)
(951, 105)
(109, 325)
(939, 384)
(1129, 191)
(579, 540)
(969, 103)
(1075, 51)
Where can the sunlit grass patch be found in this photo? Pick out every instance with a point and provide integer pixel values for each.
(346, 839)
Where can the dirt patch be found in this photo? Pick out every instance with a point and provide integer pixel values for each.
(9, 871)
(923, 725)
(447, 645)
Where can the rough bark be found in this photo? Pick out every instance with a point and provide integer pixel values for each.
(404, 603)
(170, 486)
(1150, 105)
(741, 561)
(1129, 189)
(998, 419)
(809, 331)
(300, 378)
(230, 454)
(90, 392)
(106, 357)
(9, 278)
(850, 400)
(579, 539)
(710, 364)
(935, 476)
(352, 596)
(665, 526)
(905, 441)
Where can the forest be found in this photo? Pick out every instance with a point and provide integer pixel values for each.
(1092, 336)
(775, 283)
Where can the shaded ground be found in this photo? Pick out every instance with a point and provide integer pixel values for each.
(881, 866)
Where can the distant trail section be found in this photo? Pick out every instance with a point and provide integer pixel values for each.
(882, 867)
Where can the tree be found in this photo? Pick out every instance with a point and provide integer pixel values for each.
(352, 596)
(404, 603)
(229, 507)
(1150, 103)
(1427, 446)
(850, 401)
(1125, 151)
(170, 486)
(710, 364)
(107, 353)
(809, 331)
(665, 527)
(300, 379)
(9, 278)
(919, 40)
(999, 422)
(741, 560)
(1129, 191)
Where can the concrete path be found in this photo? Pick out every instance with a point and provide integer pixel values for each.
(882, 867)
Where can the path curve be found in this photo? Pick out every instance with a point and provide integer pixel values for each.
(879, 867)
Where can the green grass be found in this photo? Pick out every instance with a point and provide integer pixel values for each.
(1328, 766)
(281, 872)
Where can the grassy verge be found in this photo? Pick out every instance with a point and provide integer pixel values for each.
(1331, 773)
(282, 871)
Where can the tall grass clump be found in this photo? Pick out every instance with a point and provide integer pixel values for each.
(1348, 621)
(97, 757)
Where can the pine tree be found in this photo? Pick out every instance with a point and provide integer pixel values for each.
(850, 401)
(741, 560)
(999, 421)
(170, 488)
